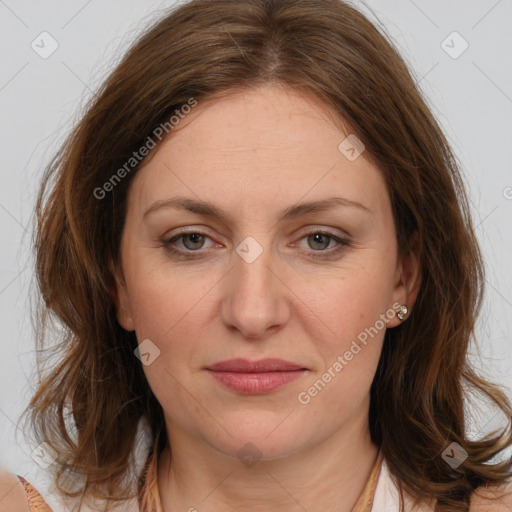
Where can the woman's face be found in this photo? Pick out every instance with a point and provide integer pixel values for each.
(251, 233)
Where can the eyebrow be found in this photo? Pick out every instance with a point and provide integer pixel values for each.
(294, 211)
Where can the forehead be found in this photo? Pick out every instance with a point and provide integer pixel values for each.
(259, 144)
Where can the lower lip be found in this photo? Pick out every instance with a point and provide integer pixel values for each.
(256, 383)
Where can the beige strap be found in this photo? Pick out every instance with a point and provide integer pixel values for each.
(35, 500)
(149, 497)
(365, 501)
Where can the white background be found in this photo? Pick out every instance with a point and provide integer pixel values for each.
(39, 99)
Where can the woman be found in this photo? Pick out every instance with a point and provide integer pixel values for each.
(264, 261)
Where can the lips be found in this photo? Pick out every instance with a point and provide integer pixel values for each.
(263, 365)
(255, 377)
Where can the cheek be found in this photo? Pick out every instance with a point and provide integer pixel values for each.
(172, 311)
(348, 337)
(347, 302)
(348, 332)
(167, 305)
(343, 314)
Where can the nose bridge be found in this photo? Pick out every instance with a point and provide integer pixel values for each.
(254, 302)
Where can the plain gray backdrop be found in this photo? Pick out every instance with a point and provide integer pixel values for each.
(459, 51)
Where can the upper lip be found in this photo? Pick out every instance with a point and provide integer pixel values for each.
(263, 365)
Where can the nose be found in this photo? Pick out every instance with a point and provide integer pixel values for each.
(255, 302)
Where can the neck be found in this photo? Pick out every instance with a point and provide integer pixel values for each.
(329, 475)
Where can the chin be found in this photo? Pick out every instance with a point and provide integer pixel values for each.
(263, 440)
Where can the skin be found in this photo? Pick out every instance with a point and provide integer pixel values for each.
(254, 153)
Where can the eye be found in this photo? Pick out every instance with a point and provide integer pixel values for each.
(319, 241)
(324, 243)
(192, 241)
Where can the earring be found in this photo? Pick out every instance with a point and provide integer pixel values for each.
(403, 311)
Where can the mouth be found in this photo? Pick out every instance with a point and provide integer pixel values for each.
(256, 377)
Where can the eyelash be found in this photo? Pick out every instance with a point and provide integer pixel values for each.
(342, 244)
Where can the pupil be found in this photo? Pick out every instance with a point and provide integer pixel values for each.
(317, 239)
(194, 238)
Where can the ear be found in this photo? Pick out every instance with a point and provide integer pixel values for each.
(120, 298)
(407, 281)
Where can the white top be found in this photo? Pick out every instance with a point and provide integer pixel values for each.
(387, 498)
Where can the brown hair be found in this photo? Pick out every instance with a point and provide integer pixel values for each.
(206, 48)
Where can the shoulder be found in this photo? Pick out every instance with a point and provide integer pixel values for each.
(495, 499)
(12, 493)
